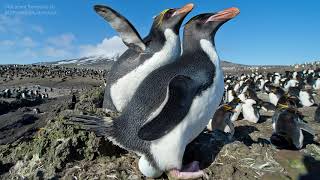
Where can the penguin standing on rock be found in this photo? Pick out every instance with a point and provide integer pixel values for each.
(222, 120)
(306, 98)
(287, 127)
(250, 111)
(173, 104)
(236, 104)
(160, 47)
(274, 94)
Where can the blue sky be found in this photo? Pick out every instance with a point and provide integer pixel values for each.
(265, 32)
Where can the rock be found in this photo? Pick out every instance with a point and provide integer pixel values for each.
(292, 162)
(53, 147)
(91, 101)
(274, 176)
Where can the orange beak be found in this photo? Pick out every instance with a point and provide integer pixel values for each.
(225, 14)
(185, 9)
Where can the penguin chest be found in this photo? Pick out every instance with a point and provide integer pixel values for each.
(261, 85)
(236, 87)
(249, 113)
(230, 96)
(242, 97)
(317, 84)
(124, 88)
(235, 115)
(168, 151)
(202, 109)
(273, 98)
(306, 99)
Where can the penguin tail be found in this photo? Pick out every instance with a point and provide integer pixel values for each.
(101, 126)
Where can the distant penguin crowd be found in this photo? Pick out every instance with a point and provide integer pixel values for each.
(19, 72)
(24, 93)
(167, 94)
(285, 93)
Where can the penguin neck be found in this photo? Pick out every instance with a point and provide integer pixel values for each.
(201, 46)
(155, 39)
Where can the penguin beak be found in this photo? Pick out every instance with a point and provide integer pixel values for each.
(184, 10)
(224, 15)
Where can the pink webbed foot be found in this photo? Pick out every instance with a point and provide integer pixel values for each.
(190, 171)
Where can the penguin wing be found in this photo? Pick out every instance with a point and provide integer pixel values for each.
(182, 90)
(306, 127)
(127, 32)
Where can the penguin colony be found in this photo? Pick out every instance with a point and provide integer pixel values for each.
(9, 73)
(13, 72)
(166, 99)
(285, 94)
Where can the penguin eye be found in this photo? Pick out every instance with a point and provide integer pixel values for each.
(169, 13)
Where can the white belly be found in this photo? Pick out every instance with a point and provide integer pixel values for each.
(304, 98)
(249, 115)
(168, 151)
(235, 115)
(124, 88)
(273, 99)
(242, 97)
(317, 84)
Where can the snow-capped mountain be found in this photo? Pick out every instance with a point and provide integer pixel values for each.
(89, 62)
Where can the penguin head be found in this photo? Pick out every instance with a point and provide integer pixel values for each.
(204, 26)
(286, 101)
(171, 19)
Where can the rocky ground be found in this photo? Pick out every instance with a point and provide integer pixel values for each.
(47, 146)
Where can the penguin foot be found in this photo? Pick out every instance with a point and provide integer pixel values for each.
(176, 174)
(190, 171)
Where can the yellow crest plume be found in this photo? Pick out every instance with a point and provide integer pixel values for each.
(161, 16)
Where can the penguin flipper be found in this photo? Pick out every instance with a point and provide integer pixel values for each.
(182, 90)
(306, 127)
(126, 30)
(99, 125)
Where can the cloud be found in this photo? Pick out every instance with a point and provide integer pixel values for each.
(54, 52)
(109, 47)
(28, 42)
(28, 53)
(25, 49)
(9, 24)
(7, 43)
(63, 40)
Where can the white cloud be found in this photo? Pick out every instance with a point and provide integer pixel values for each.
(109, 47)
(28, 53)
(7, 43)
(28, 42)
(25, 49)
(63, 40)
(56, 52)
(10, 24)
